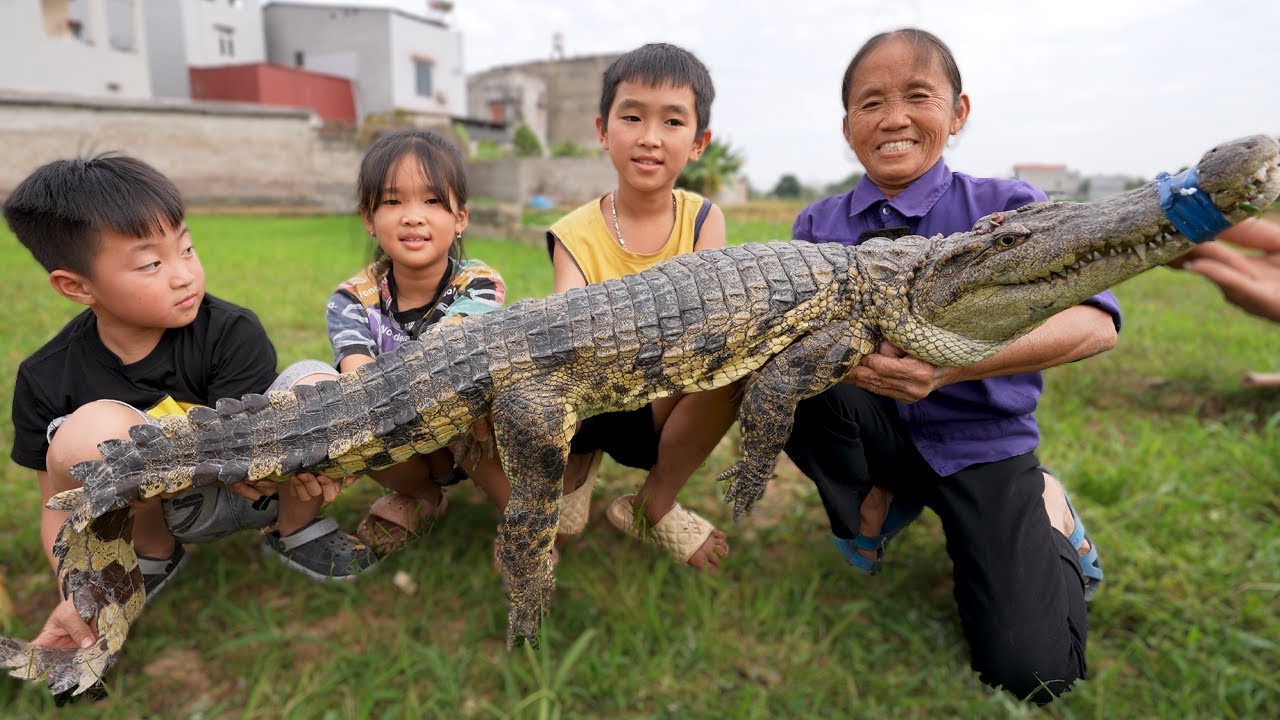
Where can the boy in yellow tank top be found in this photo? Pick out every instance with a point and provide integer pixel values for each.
(654, 110)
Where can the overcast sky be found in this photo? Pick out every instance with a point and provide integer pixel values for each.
(1105, 86)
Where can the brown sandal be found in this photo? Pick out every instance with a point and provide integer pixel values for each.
(393, 519)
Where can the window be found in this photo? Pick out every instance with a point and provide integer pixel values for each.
(120, 25)
(67, 18)
(226, 40)
(299, 58)
(422, 71)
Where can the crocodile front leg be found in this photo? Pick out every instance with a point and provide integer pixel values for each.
(531, 427)
(805, 368)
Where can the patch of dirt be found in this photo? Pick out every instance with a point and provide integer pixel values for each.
(179, 675)
(1158, 395)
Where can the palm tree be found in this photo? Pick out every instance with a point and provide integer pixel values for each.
(717, 167)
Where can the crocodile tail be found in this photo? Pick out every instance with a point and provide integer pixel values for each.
(98, 569)
(64, 670)
(234, 441)
(335, 427)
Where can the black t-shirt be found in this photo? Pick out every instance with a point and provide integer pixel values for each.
(224, 352)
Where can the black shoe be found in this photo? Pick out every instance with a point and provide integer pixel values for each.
(321, 550)
(156, 573)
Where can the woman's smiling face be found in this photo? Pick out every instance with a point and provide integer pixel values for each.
(902, 109)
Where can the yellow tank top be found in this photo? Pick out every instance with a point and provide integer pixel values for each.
(586, 237)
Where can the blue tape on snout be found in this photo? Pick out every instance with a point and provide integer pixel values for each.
(1189, 208)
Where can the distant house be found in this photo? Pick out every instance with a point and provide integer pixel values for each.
(1104, 186)
(187, 34)
(1055, 180)
(76, 47)
(558, 99)
(396, 61)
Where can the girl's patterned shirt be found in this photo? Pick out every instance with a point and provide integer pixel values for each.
(361, 322)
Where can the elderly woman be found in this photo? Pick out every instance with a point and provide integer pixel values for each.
(960, 441)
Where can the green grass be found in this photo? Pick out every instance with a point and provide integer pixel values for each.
(1173, 465)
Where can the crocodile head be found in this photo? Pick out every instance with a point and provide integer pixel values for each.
(957, 300)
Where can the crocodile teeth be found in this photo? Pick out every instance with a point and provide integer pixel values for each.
(1141, 249)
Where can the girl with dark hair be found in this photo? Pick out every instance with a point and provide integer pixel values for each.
(412, 199)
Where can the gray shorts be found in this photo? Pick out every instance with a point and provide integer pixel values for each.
(214, 511)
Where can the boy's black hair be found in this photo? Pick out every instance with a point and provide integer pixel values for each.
(59, 211)
(439, 160)
(659, 65)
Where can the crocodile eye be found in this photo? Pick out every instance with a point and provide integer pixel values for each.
(1006, 240)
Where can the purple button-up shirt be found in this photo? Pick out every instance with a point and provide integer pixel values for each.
(969, 422)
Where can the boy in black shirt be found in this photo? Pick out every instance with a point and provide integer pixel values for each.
(110, 232)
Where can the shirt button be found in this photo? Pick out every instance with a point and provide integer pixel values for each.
(885, 209)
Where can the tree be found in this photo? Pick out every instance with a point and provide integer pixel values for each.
(843, 185)
(788, 187)
(717, 167)
(569, 148)
(526, 142)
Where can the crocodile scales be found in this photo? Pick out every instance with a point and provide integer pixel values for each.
(795, 316)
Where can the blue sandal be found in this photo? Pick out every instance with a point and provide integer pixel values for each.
(899, 516)
(1090, 563)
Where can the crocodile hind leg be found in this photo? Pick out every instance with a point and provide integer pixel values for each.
(803, 369)
(531, 428)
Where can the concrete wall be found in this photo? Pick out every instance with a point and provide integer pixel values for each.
(569, 181)
(217, 154)
(244, 155)
(73, 47)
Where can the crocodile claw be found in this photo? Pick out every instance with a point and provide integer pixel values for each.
(745, 487)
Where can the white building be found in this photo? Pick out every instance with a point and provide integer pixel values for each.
(79, 47)
(183, 34)
(394, 59)
(507, 96)
(1054, 179)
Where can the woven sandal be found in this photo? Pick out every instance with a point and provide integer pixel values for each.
(575, 507)
(680, 532)
(394, 519)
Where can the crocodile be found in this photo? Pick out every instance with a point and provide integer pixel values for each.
(793, 316)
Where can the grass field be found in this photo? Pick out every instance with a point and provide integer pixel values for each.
(1172, 463)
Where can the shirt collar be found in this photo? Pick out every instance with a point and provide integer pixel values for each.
(916, 201)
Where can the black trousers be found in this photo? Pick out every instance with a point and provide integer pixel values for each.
(1017, 583)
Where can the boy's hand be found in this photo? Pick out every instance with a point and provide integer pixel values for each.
(65, 629)
(308, 486)
(254, 490)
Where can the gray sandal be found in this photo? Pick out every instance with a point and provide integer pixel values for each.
(321, 550)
